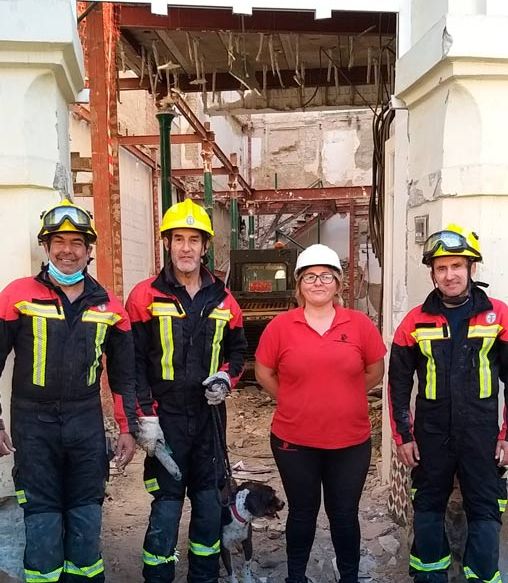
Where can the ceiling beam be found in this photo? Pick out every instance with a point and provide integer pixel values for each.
(154, 140)
(226, 82)
(336, 193)
(281, 21)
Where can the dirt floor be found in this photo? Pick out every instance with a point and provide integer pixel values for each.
(384, 550)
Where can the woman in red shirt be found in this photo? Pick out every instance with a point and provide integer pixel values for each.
(318, 361)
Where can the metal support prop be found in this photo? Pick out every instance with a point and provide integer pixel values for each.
(233, 209)
(207, 155)
(351, 269)
(252, 227)
(165, 118)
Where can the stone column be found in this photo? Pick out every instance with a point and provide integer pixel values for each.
(41, 72)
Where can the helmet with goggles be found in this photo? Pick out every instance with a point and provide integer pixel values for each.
(452, 241)
(67, 217)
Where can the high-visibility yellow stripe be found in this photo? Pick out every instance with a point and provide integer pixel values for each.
(440, 565)
(95, 317)
(152, 485)
(40, 333)
(430, 382)
(203, 550)
(100, 335)
(159, 309)
(484, 331)
(21, 496)
(168, 347)
(502, 504)
(218, 314)
(154, 560)
(40, 310)
(470, 574)
(217, 339)
(423, 334)
(38, 577)
(413, 493)
(484, 371)
(88, 572)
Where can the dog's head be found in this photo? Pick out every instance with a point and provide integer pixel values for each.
(261, 501)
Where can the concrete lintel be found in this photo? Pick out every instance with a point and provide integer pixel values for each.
(48, 37)
(479, 40)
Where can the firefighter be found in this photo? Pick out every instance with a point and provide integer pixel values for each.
(190, 345)
(457, 343)
(59, 324)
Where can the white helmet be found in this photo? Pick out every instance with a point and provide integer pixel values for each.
(318, 255)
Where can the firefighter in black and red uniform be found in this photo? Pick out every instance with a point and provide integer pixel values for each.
(190, 347)
(457, 343)
(59, 324)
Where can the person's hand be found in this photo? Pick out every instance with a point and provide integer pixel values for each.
(125, 449)
(408, 454)
(5, 443)
(149, 434)
(502, 452)
(218, 387)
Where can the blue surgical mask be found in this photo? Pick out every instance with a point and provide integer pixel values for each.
(63, 278)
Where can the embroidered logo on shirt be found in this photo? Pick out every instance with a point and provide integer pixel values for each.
(490, 318)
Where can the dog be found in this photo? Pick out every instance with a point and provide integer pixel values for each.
(249, 500)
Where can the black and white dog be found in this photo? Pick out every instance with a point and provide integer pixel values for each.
(249, 500)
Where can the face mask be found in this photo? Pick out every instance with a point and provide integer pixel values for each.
(63, 278)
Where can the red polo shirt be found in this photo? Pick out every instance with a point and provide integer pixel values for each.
(322, 400)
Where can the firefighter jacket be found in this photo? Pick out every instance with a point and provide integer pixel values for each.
(458, 382)
(58, 353)
(180, 342)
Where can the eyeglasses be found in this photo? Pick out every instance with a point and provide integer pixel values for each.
(54, 218)
(449, 241)
(325, 278)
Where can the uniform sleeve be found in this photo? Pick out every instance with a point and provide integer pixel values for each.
(121, 372)
(235, 344)
(9, 322)
(140, 321)
(268, 349)
(403, 360)
(373, 347)
(503, 369)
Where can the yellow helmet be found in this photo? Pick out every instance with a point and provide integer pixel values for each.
(454, 240)
(66, 217)
(186, 215)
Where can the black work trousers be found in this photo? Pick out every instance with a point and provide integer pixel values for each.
(341, 473)
(470, 456)
(60, 472)
(192, 439)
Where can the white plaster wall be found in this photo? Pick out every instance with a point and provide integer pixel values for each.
(334, 232)
(300, 148)
(137, 220)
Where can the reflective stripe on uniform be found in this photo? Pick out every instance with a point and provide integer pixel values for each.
(38, 577)
(154, 560)
(413, 493)
(219, 314)
(100, 335)
(430, 380)
(202, 550)
(485, 373)
(417, 564)
(502, 504)
(97, 317)
(40, 333)
(484, 331)
(49, 311)
(423, 334)
(88, 572)
(217, 339)
(470, 574)
(152, 485)
(168, 347)
(165, 312)
(21, 496)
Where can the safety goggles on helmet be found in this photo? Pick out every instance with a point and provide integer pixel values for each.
(54, 218)
(449, 242)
